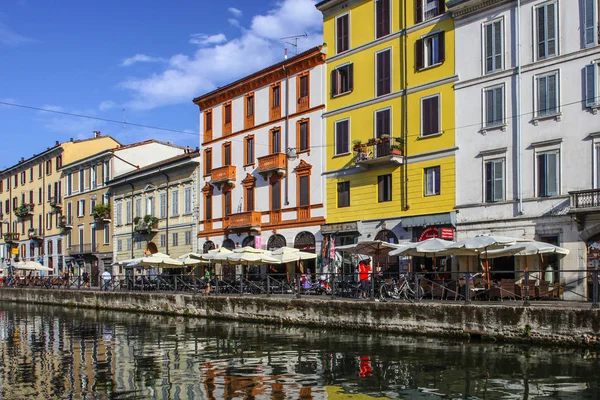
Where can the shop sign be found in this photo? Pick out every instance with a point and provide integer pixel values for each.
(258, 242)
(429, 233)
(447, 233)
(338, 228)
(15, 251)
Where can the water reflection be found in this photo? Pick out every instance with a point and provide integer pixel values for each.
(48, 352)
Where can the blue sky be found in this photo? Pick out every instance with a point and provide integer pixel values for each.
(149, 58)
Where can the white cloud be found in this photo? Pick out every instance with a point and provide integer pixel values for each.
(107, 105)
(11, 38)
(206, 40)
(189, 75)
(236, 12)
(140, 58)
(233, 22)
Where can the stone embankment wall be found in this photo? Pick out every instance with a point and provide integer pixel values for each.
(547, 324)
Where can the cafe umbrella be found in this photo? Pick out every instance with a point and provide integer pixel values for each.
(371, 248)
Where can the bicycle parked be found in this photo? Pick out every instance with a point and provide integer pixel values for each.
(396, 290)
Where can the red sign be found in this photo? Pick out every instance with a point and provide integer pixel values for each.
(447, 233)
(429, 233)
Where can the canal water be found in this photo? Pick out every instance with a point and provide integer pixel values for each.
(49, 352)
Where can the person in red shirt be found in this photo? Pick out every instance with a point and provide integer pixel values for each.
(364, 268)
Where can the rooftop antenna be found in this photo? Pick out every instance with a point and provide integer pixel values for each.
(124, 123)
(294, 44)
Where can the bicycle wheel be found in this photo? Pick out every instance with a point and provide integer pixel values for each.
(385, 291)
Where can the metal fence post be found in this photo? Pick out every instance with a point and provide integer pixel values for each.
(595, 287)
(175, 283)
(216, 285)
(241, 284)
(268, 286)
(297, 286)
(417, 288)
(332, 278)
(526, 280)
(79, 282)
(468, 288)
(373, 286)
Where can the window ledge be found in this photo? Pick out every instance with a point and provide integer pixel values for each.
(499, 127)
(431, 195)
(341, 94)
(536, 120)
(422, 137)
(594, 108)
(341, 155)
(430, 67)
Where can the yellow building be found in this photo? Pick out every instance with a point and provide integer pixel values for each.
(389, 120)
(31, 197)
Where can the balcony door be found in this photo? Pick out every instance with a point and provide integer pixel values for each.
(80, 239)
(275, 141)
(383, 127)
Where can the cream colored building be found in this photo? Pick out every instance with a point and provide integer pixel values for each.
(31, 199)
(155, 209)
(87, 213)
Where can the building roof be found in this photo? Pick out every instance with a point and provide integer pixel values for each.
(163, 163)
(258, 73)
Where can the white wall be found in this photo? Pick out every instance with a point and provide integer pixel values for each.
(142, 155)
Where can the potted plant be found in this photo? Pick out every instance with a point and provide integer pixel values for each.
(384, 138)
(357, 143)
(396, 150)
(23, 210)
(399, 140)
(372, 142)
(136, 220)
(102, 211)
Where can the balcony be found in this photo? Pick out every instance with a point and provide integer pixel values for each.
(35, 234)
(377, 152)
(146, 225)
(585, 201)
(65, 222)
(223, 175)
(81, 249)
(24, 210)
(251, 220)
(11, 237)
(55, 202)
(274, 163)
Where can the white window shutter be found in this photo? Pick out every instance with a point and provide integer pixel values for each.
(589, 22)
(591, 87)
(499, 105)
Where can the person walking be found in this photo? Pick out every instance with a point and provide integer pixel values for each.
(106, 277)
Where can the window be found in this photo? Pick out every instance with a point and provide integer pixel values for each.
(304, 191)
(208, 122)
(276, 195)
(494, 181)
(382, 18)
(81, 208)
(31, 174)
(23, 178)
(93, 177)
(227, 119)
(48, 222)
(31, 197)
(40, 195)
(342, 26)
(547, 174)
(150, 205)
(591, 85)
(69, 182)
(494, 46)
(342, 137)
(1, 186)
(129, 244)
(303, 138)
(7, 206)
(106, 233)
(163, 240)
(275, 102)
(384, 188)
(39, 171)
(227, 153)
(432, 181)
(494, 106)
(383, 67)
(227, 203)
(590, 32)
(16, 181)
(207, 161)
(187, 200)
(547, 94)
(188, 238)
(431, 50)
(342, 80)
(175, 239)
(275, 141)
(162, 199)
(175, 203)
(546, 30)
(128, 212)
(427, 9)
(343, 191)
(119, 214)
(49, 193)
(138, 243)
(249, 198)
(250, 106)
(383, 121)
(81, 180)
(303, 86)
(138, 207)
(430, 115)
(249, 150)
(208, 206)
(105, 172)
(48, 167)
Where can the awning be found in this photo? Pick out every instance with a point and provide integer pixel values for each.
(430, 220)
(341, 227)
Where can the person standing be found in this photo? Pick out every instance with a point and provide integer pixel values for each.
(364, 268)
(106, 277)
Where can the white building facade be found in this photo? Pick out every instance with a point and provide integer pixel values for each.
(527, 125)
(262, 151)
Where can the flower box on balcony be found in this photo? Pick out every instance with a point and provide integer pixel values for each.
(148, 224)
(102, 213)
(10, 237)
(24, 210)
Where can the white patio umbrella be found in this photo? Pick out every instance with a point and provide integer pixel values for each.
(289, 254)
(192, 259)
(216, 255)
(529, 249)
(31, 266)
(427, 248)
(159, 260)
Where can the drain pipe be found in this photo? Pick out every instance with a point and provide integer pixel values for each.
(132, 224)
(404, 98)
(287, 133)
(167, 216)
(519, 155)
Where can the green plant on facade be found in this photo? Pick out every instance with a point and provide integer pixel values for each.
(146, 224)
(23, 210)
(102, 211)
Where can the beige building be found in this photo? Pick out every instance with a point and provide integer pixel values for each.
(31, 199)
(155, 209)
(87, 213)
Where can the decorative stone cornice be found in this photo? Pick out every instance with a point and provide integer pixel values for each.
(464, 8)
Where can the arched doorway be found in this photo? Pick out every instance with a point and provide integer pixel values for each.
(151, 248)
(208, 245)
(388, 264)
(275, 242)
(228, 244)
(305, 241)
(248, 241)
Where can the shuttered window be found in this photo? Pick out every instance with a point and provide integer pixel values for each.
(430, 115)
(590, 32)
(343, 189)
(383, 68)
(342, 33)
(547, 174)
(162, 199)
(175, 203)
(342, 80)
(187, 200)
(382, 18)
(276, 195)
(427, 9)
(250, 199)
(591, 85)
(546, 26)
(494, 181)
(494, 45)
(547, 94)
(384, 188)
(342, 137)
(432, 181)
(383, 122)
(494, 106)
(430, 50)
(304, 191)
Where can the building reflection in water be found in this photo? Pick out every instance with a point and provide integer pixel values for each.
(49, 352)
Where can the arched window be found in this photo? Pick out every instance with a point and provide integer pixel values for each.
(208, 245)
(228, 244)
(305, 241)
(275, 242)
(248, 241)
(386, 235)
(388, 264)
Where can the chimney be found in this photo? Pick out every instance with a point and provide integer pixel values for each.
(71, 140)
(187, 149)
(22, 159)
(97, 134)
(57, 143)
